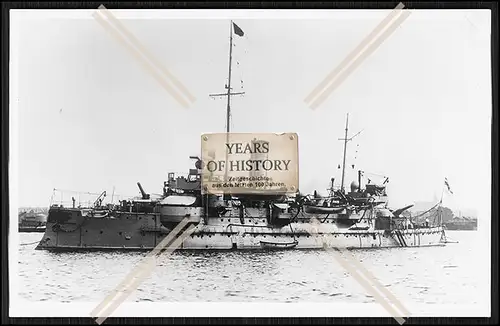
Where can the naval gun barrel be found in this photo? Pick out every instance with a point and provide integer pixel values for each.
(143, 193)
(398, 212)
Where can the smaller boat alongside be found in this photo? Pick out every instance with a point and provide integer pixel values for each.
(278, 245)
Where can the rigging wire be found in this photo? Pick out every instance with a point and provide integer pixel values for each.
(375, 174)
(238, 56)
(28, 244)
(239, 73)
(427, 211)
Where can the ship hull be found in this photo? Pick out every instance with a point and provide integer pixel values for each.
(145, 232)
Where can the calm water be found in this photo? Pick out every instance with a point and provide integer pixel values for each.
(444, 275)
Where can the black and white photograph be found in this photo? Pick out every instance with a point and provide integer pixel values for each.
(250, 163)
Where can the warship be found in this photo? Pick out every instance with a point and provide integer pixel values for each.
(358, 217)
(461, 224)
(32, 220)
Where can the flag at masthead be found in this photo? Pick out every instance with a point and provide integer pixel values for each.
(234, 29)
(237, 30)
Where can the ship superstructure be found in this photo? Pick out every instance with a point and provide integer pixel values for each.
(359, 218)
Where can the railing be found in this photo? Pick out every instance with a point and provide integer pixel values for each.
(80, 199)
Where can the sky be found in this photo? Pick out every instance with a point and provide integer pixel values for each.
(85, 116)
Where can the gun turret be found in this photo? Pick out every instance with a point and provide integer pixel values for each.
(143, 193)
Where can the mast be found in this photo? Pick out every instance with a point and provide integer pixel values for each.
(228, 86)
(228, 113)
(345, 139)
(228, 93)
(345, 148)
(359, 180)
(440, 209)
(228, 110)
